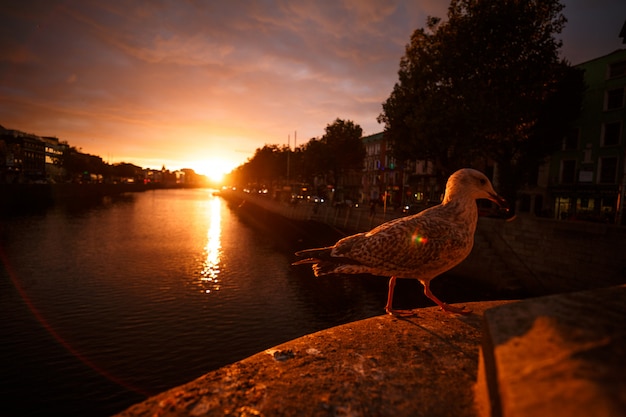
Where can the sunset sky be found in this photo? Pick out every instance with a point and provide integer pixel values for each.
(202, 84)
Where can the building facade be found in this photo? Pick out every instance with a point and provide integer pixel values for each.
(22, 157)
(382, 179)
(54, 151)
(410, 184)
(587, 176)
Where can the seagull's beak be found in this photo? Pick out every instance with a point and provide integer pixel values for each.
(499, 201)
(505, 211)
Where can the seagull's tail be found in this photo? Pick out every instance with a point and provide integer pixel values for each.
(319, 267)
(313, 255)
(306, 261)
(319, 258)
(323, 261)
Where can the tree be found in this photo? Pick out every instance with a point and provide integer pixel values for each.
(478, 86)
(338, 151)
(344, 148)
(314, 163)
(265, 166)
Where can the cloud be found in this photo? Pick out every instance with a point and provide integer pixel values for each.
(144, 79)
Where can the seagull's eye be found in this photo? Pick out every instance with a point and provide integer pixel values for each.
(483, 181)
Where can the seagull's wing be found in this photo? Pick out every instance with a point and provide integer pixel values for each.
(405, 244)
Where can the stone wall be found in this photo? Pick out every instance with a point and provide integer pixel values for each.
(545, 256)
(529, 255)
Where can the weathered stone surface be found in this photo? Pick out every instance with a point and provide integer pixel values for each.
(558, 355)
(424, 365)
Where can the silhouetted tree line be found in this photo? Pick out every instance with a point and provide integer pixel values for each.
(84, 167)
(317, 163)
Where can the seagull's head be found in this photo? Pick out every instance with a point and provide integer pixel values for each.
(473, 184)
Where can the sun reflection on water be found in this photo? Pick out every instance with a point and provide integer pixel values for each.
(209, 275)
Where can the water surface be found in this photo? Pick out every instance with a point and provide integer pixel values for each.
(104, 306)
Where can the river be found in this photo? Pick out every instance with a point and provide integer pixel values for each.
(107, 304)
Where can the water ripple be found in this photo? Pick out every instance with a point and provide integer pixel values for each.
(128, 300)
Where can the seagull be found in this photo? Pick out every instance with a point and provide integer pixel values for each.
(421, 246)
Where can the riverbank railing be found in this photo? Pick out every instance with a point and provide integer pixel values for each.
(350, 218)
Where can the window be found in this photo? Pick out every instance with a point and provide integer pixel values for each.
(611, 133)
(568, 171)
(614, 99)
(585, 176)
(617, 69)
(608, 170)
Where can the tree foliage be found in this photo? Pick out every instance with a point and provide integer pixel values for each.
(343, 147)
(339, 150)
(481, 85)
(268, 164)
(314, 162)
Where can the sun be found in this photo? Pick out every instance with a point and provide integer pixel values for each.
(215, 169)
(216, 177)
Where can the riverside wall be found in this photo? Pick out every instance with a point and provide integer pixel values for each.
(528, 255)
(546, 256)
(555, 355)
(31, 198)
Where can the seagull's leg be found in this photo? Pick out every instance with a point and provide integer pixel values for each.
(444, 306)
(392, 284)
(388, 308)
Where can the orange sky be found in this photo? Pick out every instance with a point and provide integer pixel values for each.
(203, 84)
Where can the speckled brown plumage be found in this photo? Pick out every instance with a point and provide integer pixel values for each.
(421, 246)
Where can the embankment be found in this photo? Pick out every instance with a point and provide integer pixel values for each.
(529, 256)
(288, 233)
(33, 198)
(546, 356)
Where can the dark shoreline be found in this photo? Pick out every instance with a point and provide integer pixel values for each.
(17, 199)
(289, 234)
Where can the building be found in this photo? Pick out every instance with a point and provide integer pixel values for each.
(587, 176)
(54, 151)
(22, 157)
(382, 178)
(371, 179)
(411, 183)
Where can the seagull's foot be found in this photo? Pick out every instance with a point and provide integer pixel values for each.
(456, 310)
(400, 313)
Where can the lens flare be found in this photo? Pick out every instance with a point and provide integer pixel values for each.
(419, 239)
(56, 335)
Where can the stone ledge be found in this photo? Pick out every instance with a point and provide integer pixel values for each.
(424, 365)
(556, 355)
